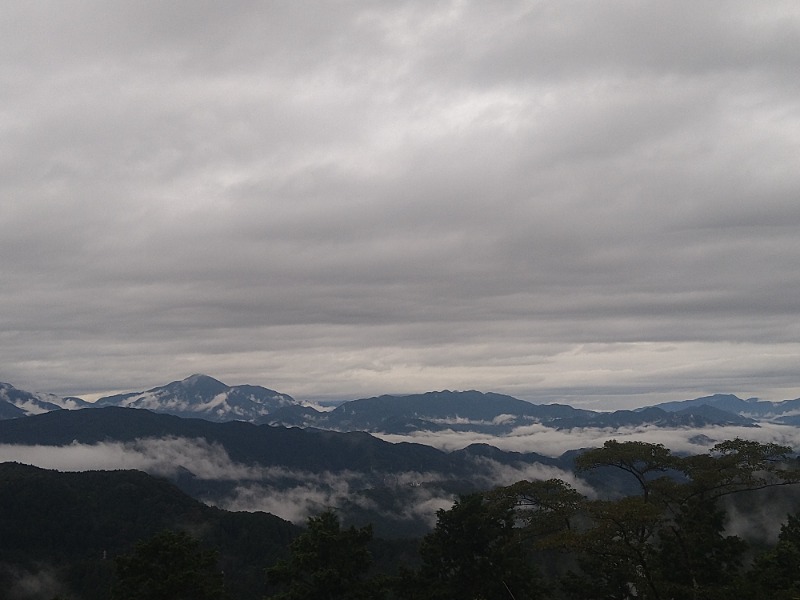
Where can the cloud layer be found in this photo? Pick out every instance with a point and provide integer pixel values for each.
(555, 442)
(296, 495)
(587, 202)
(293, 495)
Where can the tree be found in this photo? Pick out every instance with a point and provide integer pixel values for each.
(640, 459)
(543, 508)
(737, 466)
(776, 573)
(695, 557)
(669, 541)
(326, 563)
(475, 551)
(169, 566)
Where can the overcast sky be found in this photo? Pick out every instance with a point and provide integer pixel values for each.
(588, 202)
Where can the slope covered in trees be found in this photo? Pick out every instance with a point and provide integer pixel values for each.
(543, 539)
(77, 523)
(670, 538)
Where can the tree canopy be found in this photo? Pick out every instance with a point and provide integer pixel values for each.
(169, 566)
(327, 562)
(668, 535)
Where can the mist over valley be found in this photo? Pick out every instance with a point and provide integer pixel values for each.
(391, 460)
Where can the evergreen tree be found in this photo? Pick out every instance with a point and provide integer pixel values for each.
(474, 552)
(169, 566)
(326, 563)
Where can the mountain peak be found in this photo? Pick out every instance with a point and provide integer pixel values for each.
(203, 396)
(195, 386)
(199, 378)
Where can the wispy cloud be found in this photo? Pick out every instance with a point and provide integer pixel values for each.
(40, 581)
(160, 456)
(554, 442)
(291, 494)
(297, 494)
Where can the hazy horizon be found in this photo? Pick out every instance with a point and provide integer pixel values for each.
(328, 402)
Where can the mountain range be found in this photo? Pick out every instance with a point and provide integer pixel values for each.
(252, 448)
(201, 396)
(205, 397)
(243, 466)
(488, 413)
(19, 403)
(244, 451)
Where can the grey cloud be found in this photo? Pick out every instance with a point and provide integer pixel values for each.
(299, 502)
(37, 581)
(762, 519)
(349, 199)
(293, 495)
(160, 456)
(554, 442)
(503, 475)
(296, 495)
(294, 504)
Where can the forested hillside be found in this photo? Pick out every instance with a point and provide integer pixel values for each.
(85, 535)
(60, 532)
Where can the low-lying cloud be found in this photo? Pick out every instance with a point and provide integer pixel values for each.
(291, 494)
(158, 456)
(554, 442)
(40, 581)
(294, 504)
(299, 502)
(416, 496)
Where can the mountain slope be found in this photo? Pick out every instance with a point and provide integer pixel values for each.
(77, 522)
(488, 413)
(785, 412)
(201, 396)
(310, 450)
(291, 472)
(10, 411)
(30, 403)
(205, 397)
(431, 411)
(726, 402)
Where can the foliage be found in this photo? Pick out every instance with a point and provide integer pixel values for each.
(326, 562)
(545, 508)
(78, 522)
(670, 541)
(640, 459)
(668, 538)
(168, 566)
(776, 573)
(475, 551)
(695, 557)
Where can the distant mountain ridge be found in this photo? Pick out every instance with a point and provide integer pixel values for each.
(19, 403)
(470, 410)
(206, 398)
(487, 413)
(309, 450)
(202, 396)
(276, 460)
(785, 412)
